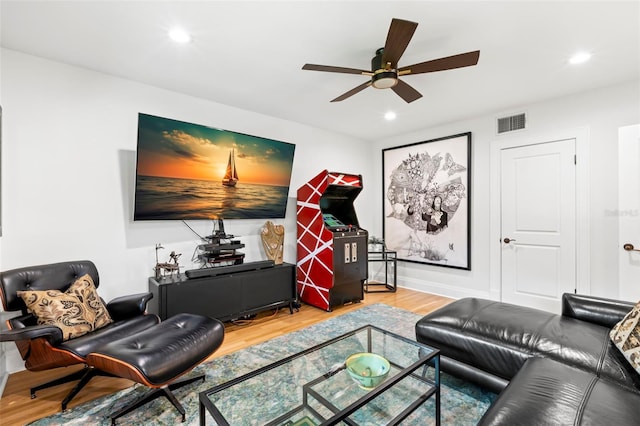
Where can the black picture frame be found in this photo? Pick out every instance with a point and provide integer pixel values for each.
(427, 201)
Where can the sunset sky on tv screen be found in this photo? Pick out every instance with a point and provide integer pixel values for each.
(176, 149)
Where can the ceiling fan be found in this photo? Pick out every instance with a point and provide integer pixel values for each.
(384, 66)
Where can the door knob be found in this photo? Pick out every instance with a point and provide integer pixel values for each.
(508, 240)
(629, 247)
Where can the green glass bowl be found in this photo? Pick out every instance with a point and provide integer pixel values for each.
(367, 370)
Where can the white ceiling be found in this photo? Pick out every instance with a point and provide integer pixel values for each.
(249, 54)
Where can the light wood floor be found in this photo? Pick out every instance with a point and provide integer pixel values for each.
(16, 407)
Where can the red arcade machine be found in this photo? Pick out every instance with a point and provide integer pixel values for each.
(332, 248)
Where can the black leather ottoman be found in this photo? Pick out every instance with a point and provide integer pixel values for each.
(159, 355)
(546, 392)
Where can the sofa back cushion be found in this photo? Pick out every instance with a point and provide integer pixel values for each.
(594, 309)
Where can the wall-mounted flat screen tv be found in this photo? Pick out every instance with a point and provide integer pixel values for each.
(188, 171)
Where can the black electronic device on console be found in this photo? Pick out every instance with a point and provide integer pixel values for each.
(216, 248)
(222, 270)
(220, 249)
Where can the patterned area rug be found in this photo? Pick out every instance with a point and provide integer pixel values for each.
(461, 403)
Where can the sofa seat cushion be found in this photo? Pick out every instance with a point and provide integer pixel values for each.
(84, 345)
(499, 338)
(546, 392)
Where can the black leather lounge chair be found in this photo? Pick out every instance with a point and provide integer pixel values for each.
(123, 342)
(43, 347)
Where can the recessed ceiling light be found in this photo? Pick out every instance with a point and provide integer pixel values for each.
(579, 58)
(179, 35)
(390, 115)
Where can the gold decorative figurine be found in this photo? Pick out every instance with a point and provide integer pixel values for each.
(273, 241)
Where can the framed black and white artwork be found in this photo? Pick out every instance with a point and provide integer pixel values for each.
(426, 197)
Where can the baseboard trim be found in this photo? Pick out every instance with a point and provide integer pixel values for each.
(440, 289)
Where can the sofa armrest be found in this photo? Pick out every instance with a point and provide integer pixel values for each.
(52, 333)
(593, 309)
(128, 306)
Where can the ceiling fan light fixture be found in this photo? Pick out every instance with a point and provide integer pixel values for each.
(384, 79)
(384, 65)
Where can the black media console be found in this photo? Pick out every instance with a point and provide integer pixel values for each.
(224, 270)
(225, 296)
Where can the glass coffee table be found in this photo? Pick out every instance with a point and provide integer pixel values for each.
(313, 387)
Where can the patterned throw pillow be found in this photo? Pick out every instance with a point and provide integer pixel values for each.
(626, 336)
(76, 312)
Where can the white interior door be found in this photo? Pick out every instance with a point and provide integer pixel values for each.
(538, 216)
(629, 212)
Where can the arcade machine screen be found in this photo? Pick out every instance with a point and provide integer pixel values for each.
(331, 221)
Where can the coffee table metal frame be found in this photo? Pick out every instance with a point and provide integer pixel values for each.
(427, 357)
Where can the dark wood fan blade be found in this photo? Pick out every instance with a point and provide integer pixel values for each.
(448, 63)
(328, 68)
(398, 38)
(352, 92)
(406, 92)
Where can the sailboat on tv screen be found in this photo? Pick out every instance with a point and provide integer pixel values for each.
(231, 175)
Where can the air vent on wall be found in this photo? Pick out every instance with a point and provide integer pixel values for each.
(511, 123)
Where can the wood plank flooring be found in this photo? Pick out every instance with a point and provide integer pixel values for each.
(17, 408)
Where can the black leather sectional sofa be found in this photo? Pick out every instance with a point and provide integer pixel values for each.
(549, 369)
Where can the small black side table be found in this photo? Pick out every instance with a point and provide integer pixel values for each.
(390, 260)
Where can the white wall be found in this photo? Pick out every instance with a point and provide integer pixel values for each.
(602, 112)
(69, 141)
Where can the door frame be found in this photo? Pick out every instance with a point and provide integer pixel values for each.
(626, 259)
(583, 237)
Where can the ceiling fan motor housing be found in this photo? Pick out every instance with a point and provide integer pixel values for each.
(383, 76)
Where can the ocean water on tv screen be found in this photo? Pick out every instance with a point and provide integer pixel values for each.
(160, 198)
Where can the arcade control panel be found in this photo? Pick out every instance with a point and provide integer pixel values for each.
(346, 239)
